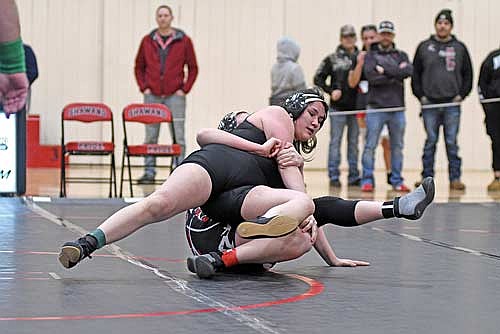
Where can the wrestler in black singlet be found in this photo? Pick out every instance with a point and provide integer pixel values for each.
(236, 171)
(213, 227)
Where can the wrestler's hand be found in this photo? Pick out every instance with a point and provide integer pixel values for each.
(309, 225)
(288, 156)
(348, 263)
(270, 148)
(13, 91)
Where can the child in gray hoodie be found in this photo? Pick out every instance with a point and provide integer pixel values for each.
(286, 74)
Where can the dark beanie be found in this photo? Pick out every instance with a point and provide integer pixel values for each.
(444, 14)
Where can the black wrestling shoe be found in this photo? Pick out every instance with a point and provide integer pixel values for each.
(413, 205)
(247, 268)
(206, 265)
(263, 227)
(74, 251)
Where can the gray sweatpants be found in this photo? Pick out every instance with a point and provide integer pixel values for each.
(176, 104)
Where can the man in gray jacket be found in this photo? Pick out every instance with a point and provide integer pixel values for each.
(286, 75)
(442, 74)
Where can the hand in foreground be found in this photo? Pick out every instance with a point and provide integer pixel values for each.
(13, 92)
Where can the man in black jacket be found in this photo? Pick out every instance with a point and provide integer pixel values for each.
(342, 97)
(489, 88)
(442, 74)
(385, 68)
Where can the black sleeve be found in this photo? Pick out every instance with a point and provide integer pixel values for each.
(354, 62)
(466, 74)
(485, 76)
(374, 78)
(323, 72)
(401, 73)
(31, 65)
(416, 79)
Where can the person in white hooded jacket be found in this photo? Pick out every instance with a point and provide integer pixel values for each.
(286, 74)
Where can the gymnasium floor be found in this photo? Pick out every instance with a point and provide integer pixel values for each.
(440, 274)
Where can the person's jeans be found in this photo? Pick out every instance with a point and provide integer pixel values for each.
(337, 124)
(449, 118)
(396, 123)
(492, 120)
(177, 105)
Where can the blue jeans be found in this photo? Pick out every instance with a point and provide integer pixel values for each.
(396, 123)
(177, 105)
(337, 124)
(449, 118)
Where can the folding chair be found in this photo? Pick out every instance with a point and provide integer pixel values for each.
(147, 114)
(87, 113)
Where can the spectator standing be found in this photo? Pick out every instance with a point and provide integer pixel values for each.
(385, 69)
(160, 73)
(442, 74)
(357, 79)
(336, 66)
(489, 88)
(286, 74)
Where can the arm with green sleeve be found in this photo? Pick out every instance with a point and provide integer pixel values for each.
(13, 80)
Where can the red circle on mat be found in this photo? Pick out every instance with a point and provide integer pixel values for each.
(315, 288)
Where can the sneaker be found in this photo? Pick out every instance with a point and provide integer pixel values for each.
(73, 252)
(263, 227)
(413, 205)
(457, 185)
(206, 265)
(367, 188)
(335, 183)
(418, 183)
(494, 185)
(355, 183)
(401, 188)
(146, 179)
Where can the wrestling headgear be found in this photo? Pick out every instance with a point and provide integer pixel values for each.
(296, 103)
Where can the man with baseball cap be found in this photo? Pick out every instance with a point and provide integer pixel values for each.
(385, 68)
(342, 97)
(442, 74)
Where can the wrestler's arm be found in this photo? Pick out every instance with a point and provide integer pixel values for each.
(215, 136)
(325, 250)
(276, 123)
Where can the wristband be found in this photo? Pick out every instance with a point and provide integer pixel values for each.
(12, 57)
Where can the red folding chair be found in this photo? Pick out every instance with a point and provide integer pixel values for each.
(87, 113)
(147, 114)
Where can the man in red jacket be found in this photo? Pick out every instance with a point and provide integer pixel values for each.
(159, 71)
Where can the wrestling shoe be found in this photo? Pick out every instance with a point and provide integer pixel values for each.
(206, 265)
(264, 227)
(74, 251)
(413, 205)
